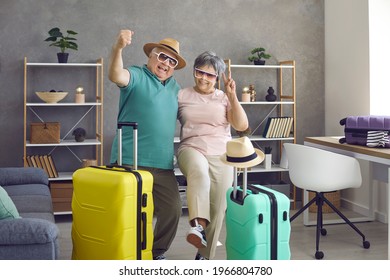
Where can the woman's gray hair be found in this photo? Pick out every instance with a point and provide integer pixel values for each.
(210, 58)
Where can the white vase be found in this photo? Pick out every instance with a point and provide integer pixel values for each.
(268, 161)
(284, 160)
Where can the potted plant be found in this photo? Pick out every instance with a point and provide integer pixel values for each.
(63, 42)
(259, 56)
(79, 134)
(267, 150)
(268, 157)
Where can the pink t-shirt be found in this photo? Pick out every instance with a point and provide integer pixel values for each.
(204, 121)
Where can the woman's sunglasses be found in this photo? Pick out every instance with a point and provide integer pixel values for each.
(200, 74)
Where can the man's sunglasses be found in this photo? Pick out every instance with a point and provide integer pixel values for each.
(163, 57)
(200, 74)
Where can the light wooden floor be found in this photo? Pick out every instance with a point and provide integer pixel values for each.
(341, 242)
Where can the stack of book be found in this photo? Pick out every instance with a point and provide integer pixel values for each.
(42, 161)
(278, 127)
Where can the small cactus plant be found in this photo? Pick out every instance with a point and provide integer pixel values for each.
(79, 134)
(267, 150)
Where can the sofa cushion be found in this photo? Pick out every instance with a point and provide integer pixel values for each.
(31, 200)
(32, 204)
(27, 231)
(22, 175)
(7, 207)
(27, 189)
(48, 216)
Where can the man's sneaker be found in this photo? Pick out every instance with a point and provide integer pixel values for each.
(197, 237)
(160, 258)
(199, 257)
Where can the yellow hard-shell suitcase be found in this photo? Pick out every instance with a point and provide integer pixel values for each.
(112, 210)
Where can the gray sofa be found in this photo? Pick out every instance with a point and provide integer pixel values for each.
(35, 234)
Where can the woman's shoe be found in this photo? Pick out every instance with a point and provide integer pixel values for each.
(197, 237)
(199, 257)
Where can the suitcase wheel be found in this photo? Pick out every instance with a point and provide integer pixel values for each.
(319, 255)
(366, 244)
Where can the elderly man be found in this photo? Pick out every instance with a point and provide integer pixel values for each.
(148, 95)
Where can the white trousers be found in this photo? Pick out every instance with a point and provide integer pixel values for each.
(208, 180)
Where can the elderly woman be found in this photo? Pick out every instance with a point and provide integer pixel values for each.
(206, 115)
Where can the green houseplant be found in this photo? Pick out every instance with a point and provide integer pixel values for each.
(268, 157)
(259, 56)
(63, 42)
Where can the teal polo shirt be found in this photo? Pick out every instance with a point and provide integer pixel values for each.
(153, 106)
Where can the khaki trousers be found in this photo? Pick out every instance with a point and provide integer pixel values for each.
(208, 179)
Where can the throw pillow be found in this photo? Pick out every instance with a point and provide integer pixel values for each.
(7, 207)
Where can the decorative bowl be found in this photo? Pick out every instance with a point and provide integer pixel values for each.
(51, 96)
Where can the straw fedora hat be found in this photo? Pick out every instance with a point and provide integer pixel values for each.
(240, 153)
(170, 45)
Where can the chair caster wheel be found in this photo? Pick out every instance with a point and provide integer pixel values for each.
(319, 255)
(366, 244)
(323, 232)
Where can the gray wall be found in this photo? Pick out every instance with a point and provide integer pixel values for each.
(288, 29)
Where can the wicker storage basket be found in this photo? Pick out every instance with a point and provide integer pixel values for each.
(45, 133)
(333, 197)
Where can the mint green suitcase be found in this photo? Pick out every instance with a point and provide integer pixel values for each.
(258, 226)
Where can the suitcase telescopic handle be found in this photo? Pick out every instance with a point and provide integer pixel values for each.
(244, 182)
(135, 141)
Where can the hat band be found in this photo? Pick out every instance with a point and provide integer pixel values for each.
(169, 47)
(241, 159)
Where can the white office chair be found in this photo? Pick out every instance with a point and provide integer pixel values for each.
(321, 172)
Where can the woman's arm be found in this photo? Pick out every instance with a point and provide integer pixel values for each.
(236, 115)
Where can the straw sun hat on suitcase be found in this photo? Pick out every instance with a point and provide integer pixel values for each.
(241, 153)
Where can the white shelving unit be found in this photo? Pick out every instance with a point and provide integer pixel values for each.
(91, 109)
(277, 108)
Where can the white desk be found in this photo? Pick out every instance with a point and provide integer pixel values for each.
(379, 169)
